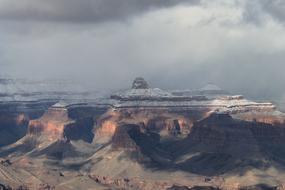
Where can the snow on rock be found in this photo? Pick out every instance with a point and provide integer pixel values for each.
(141, 90)
(60, 104)
(140, 95)
(137, 93)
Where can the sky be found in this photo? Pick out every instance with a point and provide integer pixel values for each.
(174, 44)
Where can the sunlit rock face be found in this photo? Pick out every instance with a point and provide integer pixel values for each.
(51, 124)
(56, 124)
(154, 120)
(107, 129)
(15, 117)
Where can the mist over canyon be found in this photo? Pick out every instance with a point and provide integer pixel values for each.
(237, 45)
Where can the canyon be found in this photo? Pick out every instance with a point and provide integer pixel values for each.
(141, 138)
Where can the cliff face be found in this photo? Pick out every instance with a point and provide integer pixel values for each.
(155, 120)
(51, 124)
(223, 130)
(12, 127)
(15, 117)
(221, 133)
(56, 124)
(122, 138)
(214, 144)
(220, 145)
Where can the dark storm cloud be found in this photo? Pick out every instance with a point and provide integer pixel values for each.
(80, 10)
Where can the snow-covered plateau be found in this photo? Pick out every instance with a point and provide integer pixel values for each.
(210, 97)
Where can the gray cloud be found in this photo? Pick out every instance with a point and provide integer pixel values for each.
(80, 10)
(257, 10)
(276, 8)
(176, 47)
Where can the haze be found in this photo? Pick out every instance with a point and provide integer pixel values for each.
(239, 44)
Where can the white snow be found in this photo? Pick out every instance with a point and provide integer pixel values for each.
(150, 92)
(23, 90)
(60, 104)
(234, 104)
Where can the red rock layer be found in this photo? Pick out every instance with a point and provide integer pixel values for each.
(51, 124)
(153, 120)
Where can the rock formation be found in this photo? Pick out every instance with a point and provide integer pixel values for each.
(51, 124)
(140, 83)
(57, 124)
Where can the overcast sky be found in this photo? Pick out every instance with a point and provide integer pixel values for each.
(237, 44)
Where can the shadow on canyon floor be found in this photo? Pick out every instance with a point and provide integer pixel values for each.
(215, 146)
